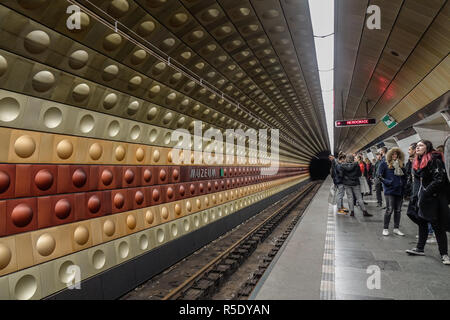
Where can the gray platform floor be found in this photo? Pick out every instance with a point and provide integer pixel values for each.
(296, 271)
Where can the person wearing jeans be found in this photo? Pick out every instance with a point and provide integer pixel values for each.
(393, 176)
(430, 203)
(350, 174)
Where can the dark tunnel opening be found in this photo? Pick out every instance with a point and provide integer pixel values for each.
(319, 167)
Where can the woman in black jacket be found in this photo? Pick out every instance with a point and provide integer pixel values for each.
(430, 198)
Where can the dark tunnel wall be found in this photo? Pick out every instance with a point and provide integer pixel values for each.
(319, 167)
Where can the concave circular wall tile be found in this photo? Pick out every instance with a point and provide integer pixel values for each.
(43, 81)
(9, 109)
(113, 128)
(160, 236)
(78, 59)
(37, 41)
(124, 249)
(87, 123)
(52, 117)
(66, 272)
(26, 287)
(143, 242)
(24, 146)
(98, 259)
(135, 132)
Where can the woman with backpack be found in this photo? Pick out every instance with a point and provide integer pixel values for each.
(429, 202)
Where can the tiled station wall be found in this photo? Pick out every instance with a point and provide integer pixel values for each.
(87, 177)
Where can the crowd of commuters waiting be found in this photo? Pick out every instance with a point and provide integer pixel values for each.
(421, 178)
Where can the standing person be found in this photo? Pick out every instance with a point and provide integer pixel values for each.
(408, 170)
(377, 181)
(447, 156)
(430, 203)
(383, 152)
(393, 176)
(369, 170)
(363, 179)
(340, 186)
(350, 173)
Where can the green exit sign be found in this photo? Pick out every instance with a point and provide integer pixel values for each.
(389, 121)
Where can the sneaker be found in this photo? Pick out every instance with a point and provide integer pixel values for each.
(415, 252)
(352, 214)
(345, 209)
(385, 232)
(398, 232)
(366, 214)
(342, 212)
(445, 259)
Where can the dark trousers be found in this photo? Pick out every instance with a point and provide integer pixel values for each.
(378, 192)
(369, 182)
(393, 204)
(439, 232)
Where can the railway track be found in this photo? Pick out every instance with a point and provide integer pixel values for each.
(217, 263)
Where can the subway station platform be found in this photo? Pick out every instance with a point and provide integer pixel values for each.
(330, 256)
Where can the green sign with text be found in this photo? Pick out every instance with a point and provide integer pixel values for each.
(389, 121)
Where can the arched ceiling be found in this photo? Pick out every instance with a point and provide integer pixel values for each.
(395, 70)
(256, 59)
